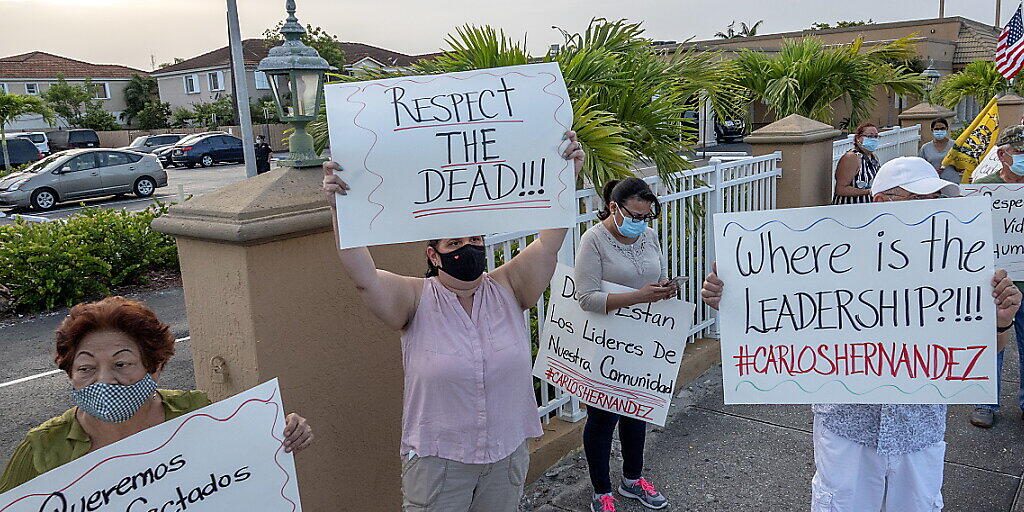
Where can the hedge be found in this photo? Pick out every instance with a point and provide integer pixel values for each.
(61, 263)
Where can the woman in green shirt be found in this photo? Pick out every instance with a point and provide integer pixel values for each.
(113, 352)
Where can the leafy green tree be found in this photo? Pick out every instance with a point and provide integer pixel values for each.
(979, 80)
(215, 113)
(808, 78)
(628, 100)
(745, 31)
(176, 60)
(98, 119)
(140, 92)
(325, 43)
(839, 24)
(13, 106)
(182, 117)
(263, 110)
(69, 101)
(154, 115)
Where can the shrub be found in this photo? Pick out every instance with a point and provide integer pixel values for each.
(61, 263)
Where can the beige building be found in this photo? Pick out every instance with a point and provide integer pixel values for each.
(949, 44)
(207, 77)
(32, 73)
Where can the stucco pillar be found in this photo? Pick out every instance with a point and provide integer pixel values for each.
(266, 297)
(806, 147)
(923, 114)
(1011, 110)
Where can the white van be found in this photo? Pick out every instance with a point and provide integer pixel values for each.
(38, 138)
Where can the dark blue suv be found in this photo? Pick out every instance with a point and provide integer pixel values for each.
(208, 150)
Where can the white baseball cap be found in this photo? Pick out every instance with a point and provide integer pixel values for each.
(913, 174)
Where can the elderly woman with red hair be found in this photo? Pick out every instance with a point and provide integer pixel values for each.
(113, 352)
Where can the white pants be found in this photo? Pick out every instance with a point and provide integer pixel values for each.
(851, 477)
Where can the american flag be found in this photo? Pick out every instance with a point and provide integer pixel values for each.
(1010, 49)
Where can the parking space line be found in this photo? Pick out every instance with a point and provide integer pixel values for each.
(54, 372)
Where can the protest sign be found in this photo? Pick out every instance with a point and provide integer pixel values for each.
(625, 361)
(227, 456)
(452, 155)
(1007, 202)
(872, 303)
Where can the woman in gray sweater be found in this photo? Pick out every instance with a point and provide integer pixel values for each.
(621, 249)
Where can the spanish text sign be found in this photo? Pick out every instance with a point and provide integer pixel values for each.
(873, 303)
(227, 456)
(625, 361)
(452, 155)
(1007, 202)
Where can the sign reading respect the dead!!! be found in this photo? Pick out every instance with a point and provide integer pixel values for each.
(625, 361)
(874, 303)
(227, 456)
(452, 155)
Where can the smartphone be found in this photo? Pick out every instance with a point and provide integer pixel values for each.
(677, 281)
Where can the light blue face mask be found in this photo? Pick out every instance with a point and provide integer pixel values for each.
(1018, 165)
(114, 403)
(940, 134)
(869, 143)
(630, 228)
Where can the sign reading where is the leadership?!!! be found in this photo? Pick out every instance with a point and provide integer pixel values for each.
(224, 457)
(1007, 223)
(452, 155)
(873, 303)
(625, 361)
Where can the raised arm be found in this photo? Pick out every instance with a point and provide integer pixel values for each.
(846, 172)
(390, 297)
(1008, 299)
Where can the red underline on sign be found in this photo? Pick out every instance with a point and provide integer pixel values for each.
(455, 124)
(481, 205)
(475, 163)
(481, 209)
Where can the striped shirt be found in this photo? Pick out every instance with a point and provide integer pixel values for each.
(868, 167)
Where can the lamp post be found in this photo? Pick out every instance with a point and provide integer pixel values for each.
(296, 75)
(932, 75)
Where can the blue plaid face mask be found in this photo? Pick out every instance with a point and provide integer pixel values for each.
(114, 403)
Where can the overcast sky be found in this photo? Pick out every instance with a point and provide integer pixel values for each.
(129, 32)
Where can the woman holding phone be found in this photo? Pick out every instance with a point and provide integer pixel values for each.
(621, 249)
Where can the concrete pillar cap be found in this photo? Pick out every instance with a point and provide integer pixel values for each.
(793, 129)
(926, 111)
(1010, 99)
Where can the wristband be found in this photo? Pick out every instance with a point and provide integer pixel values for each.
(1001, 330)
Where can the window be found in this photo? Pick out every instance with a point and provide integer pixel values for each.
(31, 88)
(191, 84)
(133, 157)
(261, 80)
(110, 158)
(101, 91)
(83, 162)
(216, 80)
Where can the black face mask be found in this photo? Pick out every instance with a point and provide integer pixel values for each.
(465, 263)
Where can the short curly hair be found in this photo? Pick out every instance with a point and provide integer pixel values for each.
(135, 319)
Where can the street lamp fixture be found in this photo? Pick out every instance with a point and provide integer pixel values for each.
(932, 75)
(296, 75)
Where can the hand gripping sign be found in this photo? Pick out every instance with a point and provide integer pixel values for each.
(625, 361)
(873, 303)
(226, 456)
(452, 155)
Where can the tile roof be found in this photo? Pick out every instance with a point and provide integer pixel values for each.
(976, 41)
(253, 50)
(47, 65)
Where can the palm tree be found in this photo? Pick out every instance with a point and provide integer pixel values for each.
(808, 78)
(628, 100)
(13, 106)
(979, 79)
(745, 31)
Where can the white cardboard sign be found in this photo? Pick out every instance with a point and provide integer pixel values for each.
(226, 456)
(625, 361)
(872, 303)
(452, 155)
(1007, 202)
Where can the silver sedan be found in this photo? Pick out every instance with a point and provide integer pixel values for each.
(82, 174)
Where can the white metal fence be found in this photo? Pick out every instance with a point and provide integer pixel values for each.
(689, 200)
(892, 142)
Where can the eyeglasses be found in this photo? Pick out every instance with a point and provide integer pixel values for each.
(933, 195)
(639, 218)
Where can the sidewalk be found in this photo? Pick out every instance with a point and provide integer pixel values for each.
(711, 457)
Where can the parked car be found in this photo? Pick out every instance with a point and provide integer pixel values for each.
(731, 130)
(208, 150)
(37, 138)
(164, 153)
(81, 174)
(150, 143)
(22, 151)
(61, 140)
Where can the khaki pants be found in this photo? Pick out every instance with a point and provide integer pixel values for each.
(433, 484)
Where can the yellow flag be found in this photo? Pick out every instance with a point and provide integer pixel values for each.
(975, 142)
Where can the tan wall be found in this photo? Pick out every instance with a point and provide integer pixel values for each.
(115, 87)
(275, 134)
(172, 88)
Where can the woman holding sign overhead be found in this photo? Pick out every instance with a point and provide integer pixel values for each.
(624, 250)
(469, 405)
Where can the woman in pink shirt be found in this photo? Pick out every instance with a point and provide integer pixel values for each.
(468, 403)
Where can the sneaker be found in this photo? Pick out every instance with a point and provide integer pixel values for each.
(603, 503)
(982, 417)
(643, 491)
